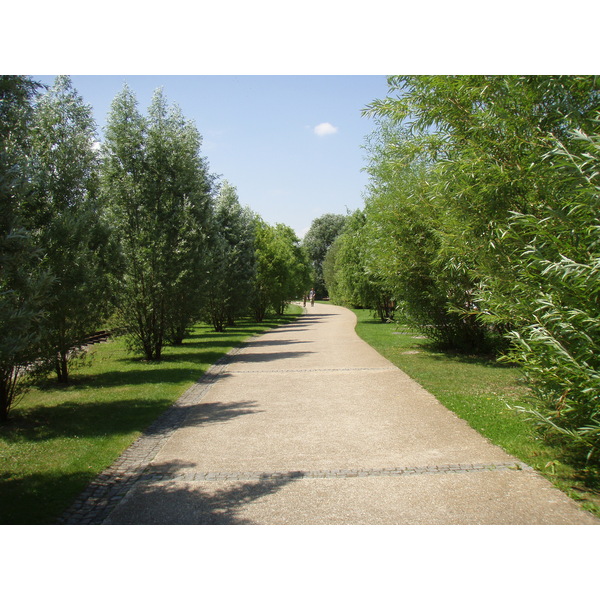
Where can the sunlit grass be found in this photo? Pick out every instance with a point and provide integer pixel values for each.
(60, 438)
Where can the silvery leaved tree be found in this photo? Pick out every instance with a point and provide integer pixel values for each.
(156, 187)
(230, 265)
(67, 221)
(23, 283)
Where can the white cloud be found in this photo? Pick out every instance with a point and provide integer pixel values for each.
(325, 129)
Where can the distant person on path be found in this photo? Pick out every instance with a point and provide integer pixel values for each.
(311, 295)
(304, 300)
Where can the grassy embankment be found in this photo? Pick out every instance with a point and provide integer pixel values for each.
(60, 438)
(480, 391)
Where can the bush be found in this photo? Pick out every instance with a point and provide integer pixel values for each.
(559, 344)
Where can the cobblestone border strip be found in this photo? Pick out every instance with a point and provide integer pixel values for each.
(102, 495)
(175, 474)
(332, 370)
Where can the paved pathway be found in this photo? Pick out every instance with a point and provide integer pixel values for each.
(308, 424)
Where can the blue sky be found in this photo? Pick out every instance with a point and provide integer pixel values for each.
(291, 145)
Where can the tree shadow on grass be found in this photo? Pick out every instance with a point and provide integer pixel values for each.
(41, 498)
(105, 419)
(485, 360)
(83, 420)
(132, 377)
(38, 499)
(139, 372)
(195, 353)
(194, 503)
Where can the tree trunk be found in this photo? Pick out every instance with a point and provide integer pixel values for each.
(5, 402)
(8, 385)
(62, 367)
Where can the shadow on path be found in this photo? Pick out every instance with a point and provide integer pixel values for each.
(206, 413)
(183, 503)
(264, 357)
(259, 343)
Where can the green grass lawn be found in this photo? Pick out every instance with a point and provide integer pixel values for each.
(60, 438)
(481, 392)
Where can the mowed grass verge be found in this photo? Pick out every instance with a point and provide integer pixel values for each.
(60, 438)
(481, 392)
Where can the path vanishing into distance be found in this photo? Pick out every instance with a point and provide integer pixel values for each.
(308, 425)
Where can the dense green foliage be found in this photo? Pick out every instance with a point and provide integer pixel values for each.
(282, 268)
(23, 284)
(558, 342)
(317, 241)
(230, 260)
(66, 220)
(481, 219)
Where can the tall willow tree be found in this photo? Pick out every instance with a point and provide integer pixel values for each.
(22, 282)
(157, 189)
(182, 186)
(67, 221)
(408, 226)
(231, 260)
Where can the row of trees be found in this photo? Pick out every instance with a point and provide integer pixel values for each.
(135, 233)
(481, 224)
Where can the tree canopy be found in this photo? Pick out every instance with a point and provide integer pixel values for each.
(317, 241)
